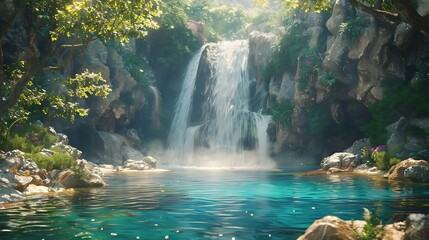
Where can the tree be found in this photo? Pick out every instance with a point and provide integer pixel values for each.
(395, 11)
(55, 29)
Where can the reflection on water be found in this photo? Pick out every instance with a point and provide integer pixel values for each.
(191, 204)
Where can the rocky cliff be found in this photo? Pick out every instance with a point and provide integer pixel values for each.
(361, 56)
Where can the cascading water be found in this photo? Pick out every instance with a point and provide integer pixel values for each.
(228, 133)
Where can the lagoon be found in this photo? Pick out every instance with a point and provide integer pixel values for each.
(209, 204)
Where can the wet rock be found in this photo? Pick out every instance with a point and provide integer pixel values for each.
(397, 172)
(328, 228)
(70, 179)
(341, 160)
(417, 227)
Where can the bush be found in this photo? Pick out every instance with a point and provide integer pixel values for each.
(399, 100)
(29, 138)
(59, 160)
(373, 228)
(282, 113)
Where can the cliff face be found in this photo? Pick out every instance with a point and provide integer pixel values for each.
(329, 117)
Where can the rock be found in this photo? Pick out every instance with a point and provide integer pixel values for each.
(417, 227)
(397, 138)
(362, 45)
(22, 182)
(8, 194)
(396, 172)
(69, 179)
(364, 168)
(107, 148)
(338, 16)
(261, 45)
(403, 36)
(357, 146)
(394, 231)
(417, 173)
(423, 7)
(341, 160)
(72, 151)
(146, 164)
(37, 180)
(328, 228)
(62, 138)
(334, 170)
(150, 161)
(33, 189)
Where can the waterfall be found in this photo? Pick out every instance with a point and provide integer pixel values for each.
(228, 134)
(177, 135)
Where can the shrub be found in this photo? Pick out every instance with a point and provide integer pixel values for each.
(327, 78)
(282, 113)
(353, 27)
(373, 228)
(29, 138)
(59, 160)
(399, 100)
(394, 161)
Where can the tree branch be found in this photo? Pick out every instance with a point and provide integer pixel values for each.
(387, 16)
(409, 14)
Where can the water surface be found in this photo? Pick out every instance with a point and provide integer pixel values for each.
(204, 204)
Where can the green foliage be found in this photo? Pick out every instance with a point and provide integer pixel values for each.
(394, 161)
(327, 78)
(372, 229)
(83, 85)
(309, 68)
(79, 170)
(134, 64)
(353, 27)
(28, 138)
(399, 100)
(319, 119)
(173, 43)
(221, 21)
(381, 160)
(285, 55)
(282, 113)
(58, 160)
(106, 19)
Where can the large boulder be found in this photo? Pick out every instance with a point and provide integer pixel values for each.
(415, 168)
(417, 227)
(70, 179)
(341, 160)
(328, 228)
(397, 139)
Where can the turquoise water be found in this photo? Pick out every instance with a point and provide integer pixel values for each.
(203, 204)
